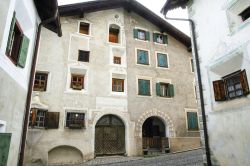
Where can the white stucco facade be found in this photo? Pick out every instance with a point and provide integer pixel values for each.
(224, 47)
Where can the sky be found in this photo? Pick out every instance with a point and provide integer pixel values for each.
(155, 6)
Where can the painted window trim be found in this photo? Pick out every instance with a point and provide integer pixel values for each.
(166, 81)
(192, 110)
(90, 28)
(156, 57)
(149, 57)
(151, 86)
(112, 93)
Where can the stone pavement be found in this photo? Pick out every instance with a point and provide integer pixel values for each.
(189, 158)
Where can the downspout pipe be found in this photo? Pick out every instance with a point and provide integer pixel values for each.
(30, 87)
(204, 119)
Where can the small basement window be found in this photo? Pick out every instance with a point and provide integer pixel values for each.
(84, 28)
(75, 120)
(231, 86)
(83, 56)
(117, 60)
(77, 82)
(245, 14)
(117, 85)
(40, 83)
(114, 31)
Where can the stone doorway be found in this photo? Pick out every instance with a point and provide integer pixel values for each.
(109, 136)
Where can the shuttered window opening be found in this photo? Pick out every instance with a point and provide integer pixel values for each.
(245, 14)
(18, 44)
(231, 86)
(164, 89)
(142, 57)
(160, 38)
(84, 28)
(144, 87)
(75, 120)
(83, 56)
(192, 121)
(141, 34)
(43, 119)
(40, 83)
(117, 60)
(77, 82)
(117, 85)
(162, 60)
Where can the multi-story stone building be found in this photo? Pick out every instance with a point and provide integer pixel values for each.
(223, 37)
(119, 81)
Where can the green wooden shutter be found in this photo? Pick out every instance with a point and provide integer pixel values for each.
(155, 37)
(162, 60)
(158, 89)
(144, 87)
(135, 33)
(147, 36)
(192, 121)
(10, 38)
(142, 57)
(170, 90)
(165, 39)
(52, 120)
(5, 139)
(147, 87)
(23, 52)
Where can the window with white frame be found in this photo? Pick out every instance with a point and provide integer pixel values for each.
(84, 28)
(141, 34)
(162, 60)
(142, 57)
(144, 87)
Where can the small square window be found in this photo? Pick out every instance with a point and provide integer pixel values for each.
(164, 89)
(192, 121)
(160, 38)
(37, 118)
(40, 83)
(144, 87)
(84, 28)
(117, 85)
(117, 60)
(142, 57)
(245, 14)
(83, 56)
(77, 82)
(75, 120)
(162, 60)
(141, 34)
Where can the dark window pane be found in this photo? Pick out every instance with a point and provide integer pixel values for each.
(245, 14)
(84, 28)
(83, 56)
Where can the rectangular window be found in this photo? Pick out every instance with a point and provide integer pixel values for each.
(117, 85)
(231, 86)
(77, 82)
(141, 34)
(18, 44)
(83, 56)
(192, 65)
(75, 120)
(117, 60)
(162, 60)
(142, 57)
(84, 28)
(245, 14)
(160, 38)
(113, 35)
(144, 87)
(40, 83)
(192, 121)
(37, 118)
(164, 89)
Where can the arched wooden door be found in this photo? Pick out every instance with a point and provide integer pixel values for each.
(109, 136)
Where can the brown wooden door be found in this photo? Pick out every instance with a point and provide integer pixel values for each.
(109, 138)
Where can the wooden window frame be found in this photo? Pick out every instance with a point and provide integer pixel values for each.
(42, 84)
(114, 34)
(83, 53)
(75, 120)
(84, 24)
(117, 60)
(115, 87)
(35, 121)
(79, 83)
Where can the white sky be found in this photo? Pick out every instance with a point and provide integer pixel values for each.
(155, 6)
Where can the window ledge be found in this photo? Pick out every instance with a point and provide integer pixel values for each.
(149, 65)
(144, 96)
(161, 44)
(83, 35)
(71, 91)
(78, 62)
(193, 131)
(146, 41)
(115, 44)
(116, 65)
(123, 94)
(166, 98)
(163, 68)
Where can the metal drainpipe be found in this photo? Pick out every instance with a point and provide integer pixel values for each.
(204, 119)
(29, 94)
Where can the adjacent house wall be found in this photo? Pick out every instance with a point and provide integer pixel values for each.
(224, 47)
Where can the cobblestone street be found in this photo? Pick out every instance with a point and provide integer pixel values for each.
(190, 158)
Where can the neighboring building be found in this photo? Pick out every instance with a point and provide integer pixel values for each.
(18, 26)
(119, 81)
(223, 36)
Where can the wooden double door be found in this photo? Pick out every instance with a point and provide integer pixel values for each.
(109, 136)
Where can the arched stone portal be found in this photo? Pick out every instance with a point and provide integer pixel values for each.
(109, 136)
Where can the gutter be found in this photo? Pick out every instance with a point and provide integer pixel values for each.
(204, 119)
(30, 87)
